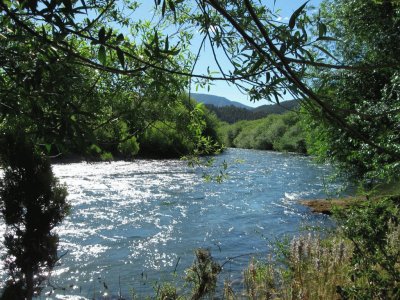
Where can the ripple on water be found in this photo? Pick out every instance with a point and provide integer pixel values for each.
(132, 221)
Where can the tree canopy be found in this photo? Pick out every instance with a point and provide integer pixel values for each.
(368, 100)
(268, 58)
(96, 77)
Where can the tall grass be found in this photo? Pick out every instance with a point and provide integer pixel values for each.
(307, 268)
(361, 260)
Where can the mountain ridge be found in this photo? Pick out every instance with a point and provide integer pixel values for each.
(232, 111)
(217, 101)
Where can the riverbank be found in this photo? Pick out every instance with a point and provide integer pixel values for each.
(327, 205)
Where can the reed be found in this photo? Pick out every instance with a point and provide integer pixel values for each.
(312, 268)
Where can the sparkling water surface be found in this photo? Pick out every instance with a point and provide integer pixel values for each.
(133, 224)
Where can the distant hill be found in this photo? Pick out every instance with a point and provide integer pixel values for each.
(232, 114)
(277, 108)
(217, 101)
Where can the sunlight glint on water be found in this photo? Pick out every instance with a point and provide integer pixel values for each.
(132, 221)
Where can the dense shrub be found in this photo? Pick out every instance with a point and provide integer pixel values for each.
(163, 140)
(374, 231)
(129, 147)
(275, 132)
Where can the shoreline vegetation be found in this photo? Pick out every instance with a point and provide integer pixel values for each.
(91, 80)
(328, 206)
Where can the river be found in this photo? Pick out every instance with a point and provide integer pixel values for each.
(133, 223)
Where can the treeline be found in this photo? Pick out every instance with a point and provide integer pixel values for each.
(190, 128)
(274, 132)
(232, 114)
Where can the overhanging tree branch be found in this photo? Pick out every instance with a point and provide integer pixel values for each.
(282, 65)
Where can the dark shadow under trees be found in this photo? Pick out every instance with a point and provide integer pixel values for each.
(32, 203)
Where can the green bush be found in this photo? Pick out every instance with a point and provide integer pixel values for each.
(163, 140)
(94, 150)
(274, 132)
(106, 156)
(374, 230)
(292, 141)
(203, 274)
(32, 204)
(129, 148)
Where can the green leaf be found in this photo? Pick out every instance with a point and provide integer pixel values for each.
(7, 3)
(257, 65)
(156, 40)
(164, 7)
(102, 35)
(48, 147)
(109, 34)
(283, 48)
(120, 38)
(175, 50)
(321, 29)
(101, 55)
(172, 7)
(326, 52)
(121, 57)
(295, 15)
(166, 44)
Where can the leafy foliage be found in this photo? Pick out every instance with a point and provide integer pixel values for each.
(275, 132)
(67, 108)
(367, 99)
(32, 203)
(203, 274)
(188, 129)
(374, 230)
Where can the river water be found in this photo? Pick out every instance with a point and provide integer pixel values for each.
(133, 224)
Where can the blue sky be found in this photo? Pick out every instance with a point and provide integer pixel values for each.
(223, 89)
(220, 88)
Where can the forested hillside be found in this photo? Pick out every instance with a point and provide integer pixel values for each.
(232, 114)
(274, 132)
